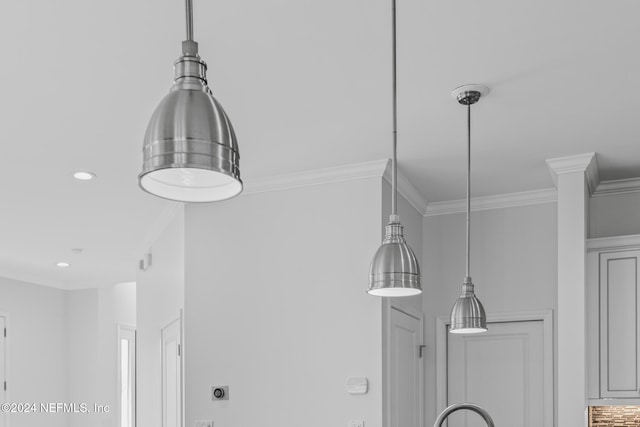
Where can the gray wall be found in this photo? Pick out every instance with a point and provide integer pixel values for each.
(276, 307)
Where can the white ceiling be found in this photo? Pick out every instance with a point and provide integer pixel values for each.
(307, 85)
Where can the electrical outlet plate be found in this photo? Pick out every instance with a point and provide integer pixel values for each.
(356, 423)
(204, 423)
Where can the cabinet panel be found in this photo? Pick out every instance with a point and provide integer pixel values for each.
(619, 340)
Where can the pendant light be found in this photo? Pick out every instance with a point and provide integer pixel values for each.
(190, 150)
(467, 314)
(394, 270)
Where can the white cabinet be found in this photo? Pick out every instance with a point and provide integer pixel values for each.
(613, 318)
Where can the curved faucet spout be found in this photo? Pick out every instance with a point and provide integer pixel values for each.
(458, 406)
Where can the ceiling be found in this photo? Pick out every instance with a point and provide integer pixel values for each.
(307, 85)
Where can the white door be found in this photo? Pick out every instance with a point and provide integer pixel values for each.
(3, 369)
(172, 375)
(405, 370)
(502, 370)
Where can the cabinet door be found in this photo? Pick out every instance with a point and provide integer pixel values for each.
(619, 310)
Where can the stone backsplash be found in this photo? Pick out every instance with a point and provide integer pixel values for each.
(614, 416)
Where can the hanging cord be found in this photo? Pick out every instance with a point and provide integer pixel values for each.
(468, 278)
(189, 20)
(394, 163)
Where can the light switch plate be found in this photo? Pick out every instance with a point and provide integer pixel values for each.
(204, 423)
(356, 423)
(357, 385)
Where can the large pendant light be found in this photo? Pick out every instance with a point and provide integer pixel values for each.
(467, 314)
(190, 150)
(394, 270)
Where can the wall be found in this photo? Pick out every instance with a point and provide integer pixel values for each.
(160, 297)
(92, 319)
(614, 215)
(513, 265)
(83, 352)
(276, 307)
(38, 368)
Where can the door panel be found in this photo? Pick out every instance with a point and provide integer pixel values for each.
(501, 370)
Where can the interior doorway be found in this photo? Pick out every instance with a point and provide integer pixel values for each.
(507, 370)
(403, 366)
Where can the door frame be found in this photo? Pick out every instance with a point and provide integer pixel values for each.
(389, 304)
(546, 316)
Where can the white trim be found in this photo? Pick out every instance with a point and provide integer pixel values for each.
(351, 172)
(617, 243)
(525, 198)
(546, 316)
(408, 190)
(128, 332)
(586, 163)
(620, 186)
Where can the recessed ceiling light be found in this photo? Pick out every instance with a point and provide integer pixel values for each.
(63, 264)
(84, 175)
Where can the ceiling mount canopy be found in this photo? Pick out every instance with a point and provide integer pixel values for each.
(190, 152)
(468, 315)
(394, 271)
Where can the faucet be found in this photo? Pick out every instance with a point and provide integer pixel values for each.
(458, 406)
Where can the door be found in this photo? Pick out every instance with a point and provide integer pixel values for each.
(3, 369)
(503, 371)
(405, 369)
(172, 375)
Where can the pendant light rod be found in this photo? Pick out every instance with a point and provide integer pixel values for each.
(468, 276)
(394, 162)
(189, 4)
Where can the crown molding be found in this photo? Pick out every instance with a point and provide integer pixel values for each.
(501, 201)
(316, 177)
(586, 163)
(620, 186)
(615, 243)
(407, 190)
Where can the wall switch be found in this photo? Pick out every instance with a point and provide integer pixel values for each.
(356, 423)
(204, 423)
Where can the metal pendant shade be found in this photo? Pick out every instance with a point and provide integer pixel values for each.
(468, 315)
(394, 271)
(190, 151)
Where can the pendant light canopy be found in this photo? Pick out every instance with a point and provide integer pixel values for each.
(190, 150)
(394, 270)
(467, 314)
